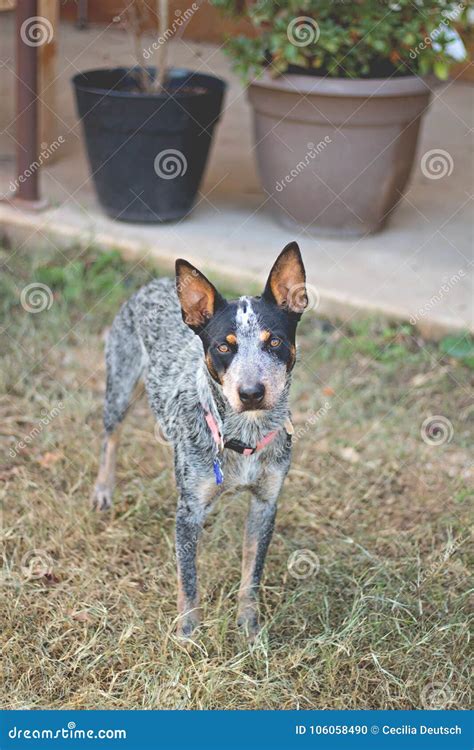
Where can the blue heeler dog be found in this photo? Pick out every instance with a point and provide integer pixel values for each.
(217, 374)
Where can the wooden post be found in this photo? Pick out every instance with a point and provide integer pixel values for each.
(27, 193)
(48, 123)
(162, 59)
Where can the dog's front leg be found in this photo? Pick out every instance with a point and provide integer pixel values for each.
(196, 499)
(257, 536)
(189, 522)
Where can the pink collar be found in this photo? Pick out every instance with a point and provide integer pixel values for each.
(238, 445)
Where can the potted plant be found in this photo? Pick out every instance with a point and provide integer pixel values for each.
(148, 130)
(464, 69)
(338, 91)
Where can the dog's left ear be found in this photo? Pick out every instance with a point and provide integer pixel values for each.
(286, 285)
(198, 297)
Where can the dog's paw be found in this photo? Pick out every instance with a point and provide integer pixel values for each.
(101, 497)
(187, 625)
(248, 623)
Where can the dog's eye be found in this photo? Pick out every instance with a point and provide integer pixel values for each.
(223, 348)
(274, 342)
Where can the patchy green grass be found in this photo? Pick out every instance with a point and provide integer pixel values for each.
(87, 602)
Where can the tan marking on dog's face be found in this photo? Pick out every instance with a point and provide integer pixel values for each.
(231, 339)
(265, 335)
(292, 358)
(211, 368)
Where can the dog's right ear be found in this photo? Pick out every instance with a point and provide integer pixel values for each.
(198, 297)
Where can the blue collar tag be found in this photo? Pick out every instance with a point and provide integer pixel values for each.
(218, 471)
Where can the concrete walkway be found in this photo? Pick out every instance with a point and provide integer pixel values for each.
(423, 260)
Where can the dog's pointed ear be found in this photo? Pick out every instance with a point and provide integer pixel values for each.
(199, 298)
(286, 284)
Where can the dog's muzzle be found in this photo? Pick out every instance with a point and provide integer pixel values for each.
(252, 397)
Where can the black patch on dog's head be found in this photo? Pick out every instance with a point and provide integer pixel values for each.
(220, 324)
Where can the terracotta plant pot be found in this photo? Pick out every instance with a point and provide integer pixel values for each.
(335, 154)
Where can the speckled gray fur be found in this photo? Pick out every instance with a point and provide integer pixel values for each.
(149, 341)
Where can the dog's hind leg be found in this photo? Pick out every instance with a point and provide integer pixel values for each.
(125, 364)
(104, 485)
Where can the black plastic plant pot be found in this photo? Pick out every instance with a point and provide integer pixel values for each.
(147, 152)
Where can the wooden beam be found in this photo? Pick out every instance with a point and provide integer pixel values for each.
(27, 194)
(48, 124)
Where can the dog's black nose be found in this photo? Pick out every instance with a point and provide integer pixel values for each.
(252, 395)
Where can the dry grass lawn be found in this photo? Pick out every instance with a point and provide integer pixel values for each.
(379, 619)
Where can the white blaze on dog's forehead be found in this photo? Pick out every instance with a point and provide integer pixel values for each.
(245, 315)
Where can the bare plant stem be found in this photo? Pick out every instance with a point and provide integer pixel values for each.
(142, 74)
(133, 21)
(162, 57)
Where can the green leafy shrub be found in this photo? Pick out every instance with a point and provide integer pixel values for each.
(348, 38)
(459, 347)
